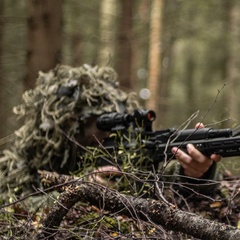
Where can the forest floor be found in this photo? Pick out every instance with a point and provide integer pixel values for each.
(22, 219)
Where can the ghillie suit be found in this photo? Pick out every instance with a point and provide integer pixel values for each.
(54, 111)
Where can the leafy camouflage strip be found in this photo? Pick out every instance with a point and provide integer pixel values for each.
(63, 99)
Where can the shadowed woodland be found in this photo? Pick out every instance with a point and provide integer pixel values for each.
(181, 57)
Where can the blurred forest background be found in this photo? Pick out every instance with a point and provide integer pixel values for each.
(180, 56)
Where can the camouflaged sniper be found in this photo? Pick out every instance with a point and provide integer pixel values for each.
(62, 101)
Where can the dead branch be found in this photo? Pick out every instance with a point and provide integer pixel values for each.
(156, 211)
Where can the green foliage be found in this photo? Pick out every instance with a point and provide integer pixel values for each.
(129, 155)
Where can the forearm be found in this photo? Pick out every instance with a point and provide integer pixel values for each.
(203, 185)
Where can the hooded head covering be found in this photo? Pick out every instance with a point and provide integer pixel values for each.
(61, 103)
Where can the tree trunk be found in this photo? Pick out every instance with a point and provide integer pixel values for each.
(167, 60)
(44, 38)
(223, 66)
(124, 61)
(107, 33)
(158, 212)
(190, 86)
(139, 47)
(234, 60)
(154, 61)
(3, 115)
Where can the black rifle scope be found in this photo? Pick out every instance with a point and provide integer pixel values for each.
(109, 121)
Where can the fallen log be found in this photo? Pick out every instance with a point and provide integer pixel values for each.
(157, 211)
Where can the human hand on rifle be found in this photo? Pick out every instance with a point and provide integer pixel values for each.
(195, 164)
(105, 175)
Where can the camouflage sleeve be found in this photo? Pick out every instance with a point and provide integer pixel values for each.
(185, 185)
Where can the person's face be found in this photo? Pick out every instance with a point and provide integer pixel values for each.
(92, 135)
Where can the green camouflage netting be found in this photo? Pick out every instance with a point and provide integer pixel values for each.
(63, 100)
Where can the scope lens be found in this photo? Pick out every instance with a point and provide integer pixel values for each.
(151, 116)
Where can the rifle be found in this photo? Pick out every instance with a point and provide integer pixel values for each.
(158, 144)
